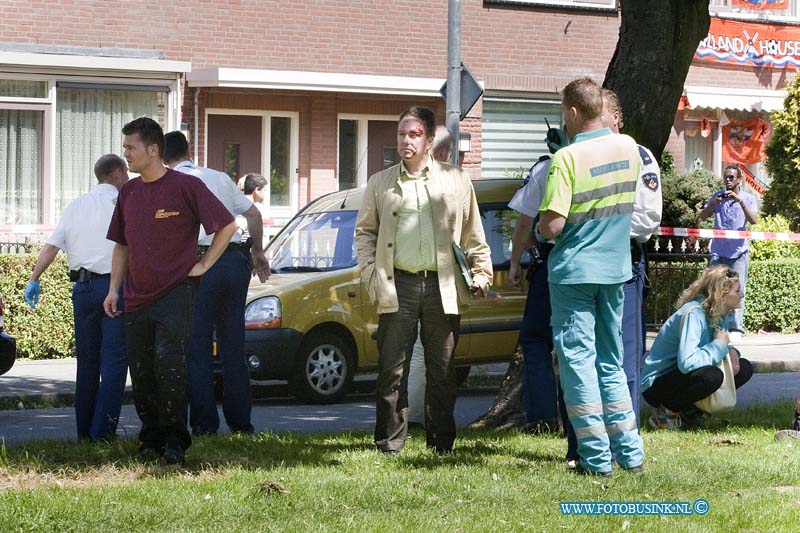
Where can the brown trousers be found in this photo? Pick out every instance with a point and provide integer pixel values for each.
(419, 300)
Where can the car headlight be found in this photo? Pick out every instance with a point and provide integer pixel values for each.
(264, 313)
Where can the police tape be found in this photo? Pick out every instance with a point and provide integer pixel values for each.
(728, 234)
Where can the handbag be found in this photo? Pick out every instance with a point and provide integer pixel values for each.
(724, 398)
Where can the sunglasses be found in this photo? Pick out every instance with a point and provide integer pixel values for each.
(731, 176)
(731, 274)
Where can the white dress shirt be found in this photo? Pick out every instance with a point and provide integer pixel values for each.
(528, 198)
(221, 186)
(647, 204)
(81, 231)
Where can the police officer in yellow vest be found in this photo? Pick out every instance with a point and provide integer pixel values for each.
(587, 210)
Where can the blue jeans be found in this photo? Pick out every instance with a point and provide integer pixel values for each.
(219, 306)
(740, 266)
(633, 333)
(102, 361)
(539, 387)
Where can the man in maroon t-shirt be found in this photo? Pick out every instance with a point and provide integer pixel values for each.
(155, 227)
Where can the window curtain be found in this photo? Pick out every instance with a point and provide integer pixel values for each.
(89, 124)
(21, 134)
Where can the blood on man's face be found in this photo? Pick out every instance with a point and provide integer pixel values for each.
(413, 144)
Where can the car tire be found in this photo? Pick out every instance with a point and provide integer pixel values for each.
(324, 368)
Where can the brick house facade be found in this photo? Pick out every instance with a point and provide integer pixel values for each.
(306, 91)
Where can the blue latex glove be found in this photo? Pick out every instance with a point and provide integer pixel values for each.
(32, 292)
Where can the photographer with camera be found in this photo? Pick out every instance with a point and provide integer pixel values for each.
(732, 208)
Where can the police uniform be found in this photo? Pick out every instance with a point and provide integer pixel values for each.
(219, 308)
(645, 220)
(102, 363)
(592, 184)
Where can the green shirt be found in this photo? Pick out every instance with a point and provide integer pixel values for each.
(414, 246)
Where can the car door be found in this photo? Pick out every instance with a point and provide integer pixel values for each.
(492, 323)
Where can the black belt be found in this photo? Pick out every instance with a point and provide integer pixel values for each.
(419, 273)
(636, 251)
(82, 275)
(202, 248)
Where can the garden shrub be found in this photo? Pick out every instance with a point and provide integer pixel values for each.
(772, 302)
(46, 332)
(685, 195)
(766, 250)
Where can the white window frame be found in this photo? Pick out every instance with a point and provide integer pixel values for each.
(362, 131)
(266, 132)
(599, 5)
(27, 67)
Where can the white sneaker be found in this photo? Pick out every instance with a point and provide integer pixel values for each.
(787, 434)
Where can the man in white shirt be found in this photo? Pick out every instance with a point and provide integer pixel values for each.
(219, 303)
(99, 339)
(646, 218)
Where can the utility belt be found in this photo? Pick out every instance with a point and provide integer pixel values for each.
(539, 254)
(637, 250)
(81, 275)
(241, 246)
(540, 251)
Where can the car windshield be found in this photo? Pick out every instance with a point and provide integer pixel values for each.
(316, 242)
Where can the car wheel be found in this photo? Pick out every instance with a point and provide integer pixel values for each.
(324, 368)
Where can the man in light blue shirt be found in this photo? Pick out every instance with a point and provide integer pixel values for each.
(732, 208)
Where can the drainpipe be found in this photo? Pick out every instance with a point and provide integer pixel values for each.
(196, 120)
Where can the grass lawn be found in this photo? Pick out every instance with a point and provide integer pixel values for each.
(493, 482)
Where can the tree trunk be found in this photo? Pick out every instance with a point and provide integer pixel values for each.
(657, 41)
(506, 412)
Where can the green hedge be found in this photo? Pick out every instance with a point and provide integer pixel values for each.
(773, 293)
(773, 296)
(47, 332)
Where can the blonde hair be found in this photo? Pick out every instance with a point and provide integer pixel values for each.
(713, 285)
(584, 95)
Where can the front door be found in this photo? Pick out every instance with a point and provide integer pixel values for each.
(234, 144)
(381, 146)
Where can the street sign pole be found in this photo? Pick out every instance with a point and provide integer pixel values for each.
(453, 98)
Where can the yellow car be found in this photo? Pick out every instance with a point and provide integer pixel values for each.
(312, 322)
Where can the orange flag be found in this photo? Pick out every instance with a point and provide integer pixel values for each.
(744, 142)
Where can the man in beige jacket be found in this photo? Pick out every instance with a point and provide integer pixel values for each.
(411, 214)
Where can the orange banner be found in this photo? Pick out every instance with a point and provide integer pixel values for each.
(763, 5)
(744, 142)
(750, 43)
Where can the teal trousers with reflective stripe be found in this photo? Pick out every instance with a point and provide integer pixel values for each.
(587, 335)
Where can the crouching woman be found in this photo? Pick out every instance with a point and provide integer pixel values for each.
(681, 367)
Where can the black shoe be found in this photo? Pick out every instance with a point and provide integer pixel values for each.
(147, 452)
(639, 469)
(581, 471)
(389, 453)
(693, 418)
(174, 455)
